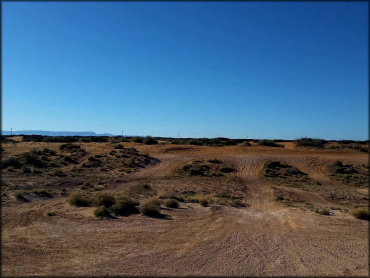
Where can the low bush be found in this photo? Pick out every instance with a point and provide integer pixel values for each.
(268, 143)
(43, 193)
(51, 213)
(77, 199)
(137, 139)
(202, 200)
(309, 142)
(140, 189)
(101, 212)
(150, 141)
(195, 142)
(323, 211)
(11, 162)
(171, 203)
(19, 194)
(124, 206)
(32, 158)
(149, 208)
(104, 199)
(227, 170)
(362, 214)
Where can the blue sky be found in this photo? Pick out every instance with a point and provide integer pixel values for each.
(243, 69)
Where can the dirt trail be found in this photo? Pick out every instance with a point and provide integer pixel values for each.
(263, 239)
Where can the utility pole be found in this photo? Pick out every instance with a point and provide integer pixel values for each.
(178, 134)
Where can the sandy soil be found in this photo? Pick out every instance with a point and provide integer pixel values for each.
(265, 238)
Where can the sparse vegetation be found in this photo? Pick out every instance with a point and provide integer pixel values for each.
(149, 208)
(19, 194)
(150, 141)
(140, 189)
(77, 199)
(125, 206)
(269, 143)
(104, 199)
(349, 174)
(51, 213)
(43, 193)
(323, 211)
(362, 214)
(171, 203)
(309, 142)
(101, 212)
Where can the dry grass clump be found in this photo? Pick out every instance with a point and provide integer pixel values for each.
(362, 214)
(101, 212)
(202, 200)
(171, 203)
(77, 199)
(269, 143)
(323, 211)
(150, 208)
(19, 194)
(140, 189)
(43, 193)
(104, 199)
(125, 206)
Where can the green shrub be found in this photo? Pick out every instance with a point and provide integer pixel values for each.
(101, 212)
(150, 141)
(104, 199)
(362, 214)
(124, 206)
(149, 208)
(77, 199)
(19, 194)
(171, 203)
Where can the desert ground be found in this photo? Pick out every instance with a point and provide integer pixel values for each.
(244, 210)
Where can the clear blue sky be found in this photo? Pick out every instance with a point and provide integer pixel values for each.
(243, 69)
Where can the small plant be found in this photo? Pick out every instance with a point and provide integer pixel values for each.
(101, 212)
(309, 142)
(215, 161)
(322, 211)
(51, 213)
(137, 139)
(227, 170)
(19, 194)
(11, 162)
(43, 193)
(171, 203)
(150, 141)
(32, 158)
(140, 189)
(362, 214)
(77, 199)
(124, 206)
(104, 199)
(149, 208)
(268, 143)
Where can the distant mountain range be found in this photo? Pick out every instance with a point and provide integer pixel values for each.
(53, 133)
